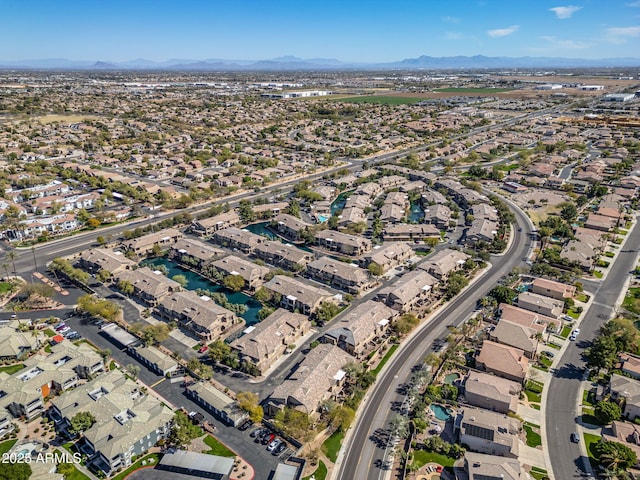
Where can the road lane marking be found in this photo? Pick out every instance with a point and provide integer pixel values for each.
(158, 382)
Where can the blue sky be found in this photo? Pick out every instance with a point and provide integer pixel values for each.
(348, 30)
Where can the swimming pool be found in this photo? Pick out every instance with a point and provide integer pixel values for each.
(322, 218)
(26, 449)
(441, 412)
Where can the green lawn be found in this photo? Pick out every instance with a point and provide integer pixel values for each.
(49, 333)
(545, 362)
(320, 473)
(554, 345)
(573, 314)
(331, 445)
(533, 396)
(587, 398)
(11, 369)
(217, 448)
(538, 473)
(381, 99)
(73, 474)
(597, 274)
(6, 446)
(609, 254)
(590, 419)
(632, 300)
(533, 438)
(155, 456)
(589, 441)
(422, 457)
(385, 359)
(582, 297)
(566, 330)
(535, 406)
(5, 287)
(472, 90)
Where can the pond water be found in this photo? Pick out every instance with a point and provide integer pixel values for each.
(198, 281)
(451, 377)
(338, 203)
(416, 213)
(261, 229)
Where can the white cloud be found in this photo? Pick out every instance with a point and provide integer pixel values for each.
(634, 4)
(454, 36)
(565, 44)
(503, 32)
(450, 19)
(565, 12)
(622, 34)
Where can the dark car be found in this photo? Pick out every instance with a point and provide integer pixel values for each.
(267, 439)
(279, 449)
(256, 432)
(246, 424)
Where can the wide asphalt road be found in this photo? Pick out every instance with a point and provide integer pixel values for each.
(565, 388)
(362, 455)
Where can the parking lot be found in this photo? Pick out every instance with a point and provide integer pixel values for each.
(239, 441)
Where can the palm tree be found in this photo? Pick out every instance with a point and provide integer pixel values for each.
(537, 337)
(11, 255)
(6, 270)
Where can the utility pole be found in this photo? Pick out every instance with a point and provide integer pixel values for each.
(35, 262)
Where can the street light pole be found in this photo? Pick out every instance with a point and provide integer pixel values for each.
(35, 262)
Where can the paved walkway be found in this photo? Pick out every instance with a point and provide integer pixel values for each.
(531, 456)
(529, 414)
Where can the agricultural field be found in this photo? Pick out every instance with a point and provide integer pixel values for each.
(474, 90)
(381, 100)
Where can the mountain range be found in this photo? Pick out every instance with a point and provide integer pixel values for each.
(291, 63)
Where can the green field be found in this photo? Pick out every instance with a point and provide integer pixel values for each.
(5, 287)
(381, 99)
(632, 300)
(421, 457)
(11, 369)
(473, 90)
(320, 473)
(217, 448)
(6, 446)
(533, 438)
(331, 445)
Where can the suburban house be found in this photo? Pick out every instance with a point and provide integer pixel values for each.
(516, 335)
(128, 421)
(23, 393)
(482, 211)
(443, 263)
(268, 210)
(264, 343)
(410, 232)
(345, 276)
(626, 391)
(550, 288)
(282, 255)
(547, 306)
(491, 392)
(350, 216)
(16, 344)
(343, 243)
(233, 237)
(438, 215)
(488, 432)
(388, 255)
(252, 274)
(629, 364)
(96, 259)
(143, 245)
(503, 361)
(318, 378)
(290, 227)
(150, 286)
(528, 318)
(490, 467)
(411, 291)
(154, 359)
(361, 330)
(194, 253)
(297, 295)
(208, 226)
(223, 407)
(199, 315)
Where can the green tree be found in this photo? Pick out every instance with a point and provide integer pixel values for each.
(235, 283)
(341, 417)
(101, 240)
(569, 212)
(326, 312)
(156, 333)
(82, 421)
(133, 370)
(603, 353)
(219, 350)
(15, 471)
(104, 275)
(607, 412)
(405, 323)
(126, 287)
(294, 208)
(245, 210)
(248, 401)
(615, 456)
(183, 431)
(503, 294)
(181, 279)
(375, 269)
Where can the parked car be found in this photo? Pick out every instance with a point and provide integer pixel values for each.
(268, 439)
(548, 354)
(61, 326)
(575, 438)
(203, 349)
(273, 445)
(255, 433)
(244, 425)
(279, 449)
(64, 330)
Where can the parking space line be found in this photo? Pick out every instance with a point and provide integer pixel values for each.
(158, 382)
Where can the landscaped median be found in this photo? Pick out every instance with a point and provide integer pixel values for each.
(150, 460)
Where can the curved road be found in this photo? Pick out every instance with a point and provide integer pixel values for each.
(361, 455)
(564, 391)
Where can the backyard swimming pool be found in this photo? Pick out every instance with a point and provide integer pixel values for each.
(440, 412)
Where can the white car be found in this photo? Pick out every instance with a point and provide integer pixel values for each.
(576, 332)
